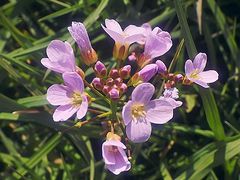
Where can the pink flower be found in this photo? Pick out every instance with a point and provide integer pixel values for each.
(60, 57)
(114, 156)
(194, 71)
(122, 38)
(80, 35)
(69, 97)
(170, 95)
(141, 111)
(157, 43)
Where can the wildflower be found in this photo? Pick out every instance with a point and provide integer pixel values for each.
(100, 69)
(141, 111)
(60, 57)
(170, 95)
(194, 71)
(157, 43)
(122, 38)
(80, 35)
(69, 97)
(114, 155)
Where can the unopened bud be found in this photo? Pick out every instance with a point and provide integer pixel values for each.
(113, 94)
(118, 81)
(100, 69)
(106, 89)
(148, 72)
(97, 83)
(125, 72)
(170, 76)
(162, 69)
(123, 88)
(114, 73)
(179, 77)
(109, 81)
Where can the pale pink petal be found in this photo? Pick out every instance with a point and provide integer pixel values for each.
(159, 111)
(83, 107)
(201, 83)
(113, 25)
(189, 67)
(134, 38)
(200, 61)
(58, 95)
(55, 66)
(139, 130)
(61, 54)
(173, 102)
(64, 112)
(120, 166)
(208, 76)
(118, 38)
(74, 81)
(147, 72)
(127, 113)
(143, 93)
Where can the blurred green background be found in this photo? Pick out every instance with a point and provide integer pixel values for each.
(202, 141)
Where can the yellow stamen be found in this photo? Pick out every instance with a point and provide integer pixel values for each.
(76, 99)
(138, 110)
(194, 74)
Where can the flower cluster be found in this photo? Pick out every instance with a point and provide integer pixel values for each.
(130, 116)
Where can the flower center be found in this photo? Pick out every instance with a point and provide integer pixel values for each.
(76, 99)
(194, 74)
(138, 110)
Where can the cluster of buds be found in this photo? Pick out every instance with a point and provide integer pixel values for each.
(111, 83)
(140, 110)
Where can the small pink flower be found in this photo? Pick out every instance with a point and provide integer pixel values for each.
(80, 35)
(60, 57)
(170, 95)
(141, 111)
(114, 155)
(194, 71)
(70, 97)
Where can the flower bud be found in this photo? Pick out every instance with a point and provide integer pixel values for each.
(109, 82)
(162, 69)
(80, 72)
(114, 73)
(100, 69)
(97, 83)
(106, 89)
(179, 78)
(125, 72)
(123, 88)
(113, 94)
(118, 81)
(148, 72)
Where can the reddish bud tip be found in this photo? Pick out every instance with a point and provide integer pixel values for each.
(97, 83)
(125, 72)
(114, 73)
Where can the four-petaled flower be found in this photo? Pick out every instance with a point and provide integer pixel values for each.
(70, 97)
(114, 155)
(60, 57)
(141, 111)
(194, 71)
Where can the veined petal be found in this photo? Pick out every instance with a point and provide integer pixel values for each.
(61, 54)
(159, 111)
(189, 67)
(83, 107)
(118, 38)
(201, 83)
(64, 112)
(143, 93)
(55, 66)
(200, 61)
(173, 102)
(113, 25)
(139, 130)
(120, 165)
(73, 81)
(127, 112)
(58, 95)
(208, 76)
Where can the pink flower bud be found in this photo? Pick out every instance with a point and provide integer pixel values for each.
(97, 83)
(118, 81)
(109, 81)
(114, 73)
(161, 67)
(113, 93)
(179, 77)
(125, 72)
(106, 89)
(100, 69)
(148, 72)
(123, 88)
